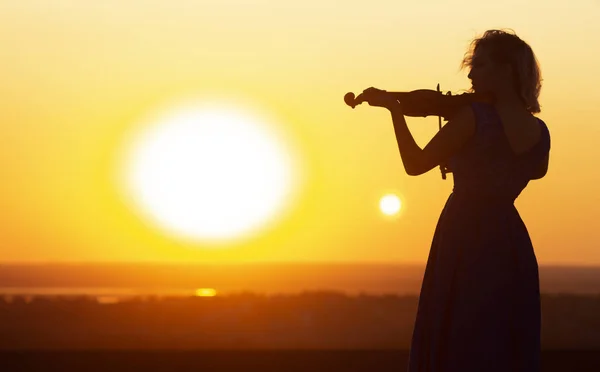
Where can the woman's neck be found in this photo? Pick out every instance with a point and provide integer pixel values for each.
(508, 99)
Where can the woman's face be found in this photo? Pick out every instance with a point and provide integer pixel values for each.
(485, 75)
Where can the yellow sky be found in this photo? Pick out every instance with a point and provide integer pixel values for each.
(76, 75)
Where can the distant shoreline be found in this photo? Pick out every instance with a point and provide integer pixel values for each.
(252, 263)
(352, 278)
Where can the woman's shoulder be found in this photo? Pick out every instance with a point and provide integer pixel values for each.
(543, 124)
(545, 132)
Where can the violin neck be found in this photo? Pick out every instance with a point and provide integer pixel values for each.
(433, 94)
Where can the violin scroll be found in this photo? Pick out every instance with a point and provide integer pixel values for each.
(350, 99)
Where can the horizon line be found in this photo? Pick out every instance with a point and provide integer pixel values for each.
(257, 263)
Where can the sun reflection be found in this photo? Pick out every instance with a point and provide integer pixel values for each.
(107, 300)
(206, 292)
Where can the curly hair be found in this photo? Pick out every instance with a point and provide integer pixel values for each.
(507, 47)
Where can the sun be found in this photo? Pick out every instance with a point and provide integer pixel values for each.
(209, 172)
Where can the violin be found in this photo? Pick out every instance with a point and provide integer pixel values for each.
(429, 102)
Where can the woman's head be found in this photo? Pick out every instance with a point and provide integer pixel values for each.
(500, 61)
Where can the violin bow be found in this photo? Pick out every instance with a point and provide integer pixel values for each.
(443, 168)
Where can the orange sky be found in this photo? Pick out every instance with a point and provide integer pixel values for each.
(76, 76)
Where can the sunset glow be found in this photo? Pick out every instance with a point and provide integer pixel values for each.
(100, 160)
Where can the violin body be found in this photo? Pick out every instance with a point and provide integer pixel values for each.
(427, 102)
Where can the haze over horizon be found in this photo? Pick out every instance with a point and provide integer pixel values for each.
(123, 279)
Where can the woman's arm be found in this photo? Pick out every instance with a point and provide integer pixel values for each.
(451, 138)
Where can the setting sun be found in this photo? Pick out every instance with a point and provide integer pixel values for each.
(209, 172)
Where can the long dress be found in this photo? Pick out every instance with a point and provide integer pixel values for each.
(479, 306)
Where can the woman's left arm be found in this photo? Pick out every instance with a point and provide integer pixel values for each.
(443, 145)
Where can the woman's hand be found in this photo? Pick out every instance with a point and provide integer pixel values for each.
(378, 98)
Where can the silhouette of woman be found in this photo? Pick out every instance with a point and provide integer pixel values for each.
(479, 307)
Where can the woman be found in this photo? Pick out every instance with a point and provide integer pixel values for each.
(479, 308)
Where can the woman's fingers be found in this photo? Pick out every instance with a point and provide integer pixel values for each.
(360, 98)
(371, 95)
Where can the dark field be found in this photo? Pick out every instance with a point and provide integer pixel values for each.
(49, 322)
(313, 331)
(311, 320)
(261, 361)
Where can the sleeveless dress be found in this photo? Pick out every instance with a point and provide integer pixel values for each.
(479, 306)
